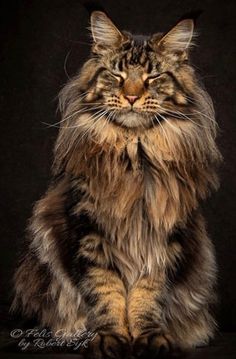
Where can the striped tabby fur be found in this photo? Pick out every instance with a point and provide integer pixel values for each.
(118, 244)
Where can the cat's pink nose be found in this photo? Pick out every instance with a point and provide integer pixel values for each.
(131, 99)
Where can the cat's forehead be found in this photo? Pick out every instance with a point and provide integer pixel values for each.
(135, 54)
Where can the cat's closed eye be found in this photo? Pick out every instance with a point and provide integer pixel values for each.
(153, 78)
(119, 78)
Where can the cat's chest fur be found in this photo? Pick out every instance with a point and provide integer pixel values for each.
(136, 183)
(131, 210)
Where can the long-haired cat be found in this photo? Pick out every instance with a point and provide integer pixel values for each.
(118, 245)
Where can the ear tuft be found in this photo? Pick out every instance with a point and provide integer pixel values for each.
(104, 32)
(179, 38)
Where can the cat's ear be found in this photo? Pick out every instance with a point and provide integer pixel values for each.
(105, 34)
(179, 38)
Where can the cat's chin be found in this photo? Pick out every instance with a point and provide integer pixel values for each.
(132, 119)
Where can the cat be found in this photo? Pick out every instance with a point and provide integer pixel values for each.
(118, 244)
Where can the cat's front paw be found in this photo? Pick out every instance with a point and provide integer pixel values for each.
(153, 345)
(108, 346)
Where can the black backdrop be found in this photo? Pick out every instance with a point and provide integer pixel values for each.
(44, 42)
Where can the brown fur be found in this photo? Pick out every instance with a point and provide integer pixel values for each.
(118, 245)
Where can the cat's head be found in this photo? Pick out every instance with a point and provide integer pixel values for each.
(136, 89)
(138, 80)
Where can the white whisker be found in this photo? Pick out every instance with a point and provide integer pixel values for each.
(176, 129)
(66, 118)
(181, 115)
(97, 118)
(164, 131)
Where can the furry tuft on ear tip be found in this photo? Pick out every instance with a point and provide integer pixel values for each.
(98, 16)
(103, 30)
(180, 36)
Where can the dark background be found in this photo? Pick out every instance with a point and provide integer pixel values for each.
(44, 43)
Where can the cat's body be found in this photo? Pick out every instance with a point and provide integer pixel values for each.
(118, 244)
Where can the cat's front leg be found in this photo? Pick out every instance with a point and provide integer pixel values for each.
(150, 337)
(105, 297)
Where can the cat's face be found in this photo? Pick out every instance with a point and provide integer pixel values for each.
(138, 80)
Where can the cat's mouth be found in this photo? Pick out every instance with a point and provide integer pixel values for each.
(133, 110)
(132, 118)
